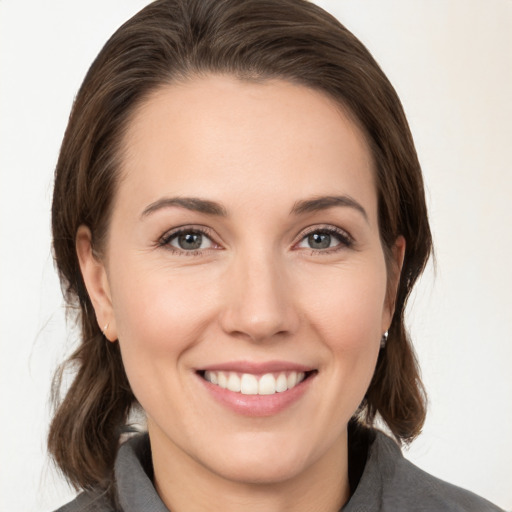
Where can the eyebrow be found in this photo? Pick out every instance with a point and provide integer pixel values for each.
(324, 202)
(190, 203)
(213, 208)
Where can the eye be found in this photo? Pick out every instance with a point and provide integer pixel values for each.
(188, 240)
(323, 239)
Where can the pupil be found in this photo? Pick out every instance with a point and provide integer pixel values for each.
(319, 240)
(190, 241)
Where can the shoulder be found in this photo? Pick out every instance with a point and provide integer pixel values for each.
(88, 502)
(392, 483)
(431, 493)
(134, 490)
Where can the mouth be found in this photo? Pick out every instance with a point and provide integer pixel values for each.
(257, 389)
(256, 384)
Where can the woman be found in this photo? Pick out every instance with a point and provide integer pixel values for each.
(239, 212)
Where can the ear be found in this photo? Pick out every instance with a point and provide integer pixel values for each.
(95, 278)
(396, 261)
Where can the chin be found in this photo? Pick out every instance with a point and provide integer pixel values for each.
(265, 461)
(260, 470)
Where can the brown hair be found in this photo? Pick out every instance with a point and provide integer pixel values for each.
(170, 40)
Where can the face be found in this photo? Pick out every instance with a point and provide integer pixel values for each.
(243, 275)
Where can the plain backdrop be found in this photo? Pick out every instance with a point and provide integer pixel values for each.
(451, 63)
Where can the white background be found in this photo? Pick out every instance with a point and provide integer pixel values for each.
(451, 63)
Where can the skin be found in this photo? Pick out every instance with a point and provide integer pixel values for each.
(256, 291)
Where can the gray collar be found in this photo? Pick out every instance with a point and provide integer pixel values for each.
(134, 473)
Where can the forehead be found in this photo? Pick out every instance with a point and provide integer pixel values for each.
(263, 141)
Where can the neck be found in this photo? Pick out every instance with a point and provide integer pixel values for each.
(184, 484)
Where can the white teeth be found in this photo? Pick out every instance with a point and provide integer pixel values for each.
(222, 380)
(267, 385)
(234, 382)
(248, 384)
(291, 381)
(281, 383)
(211, 377)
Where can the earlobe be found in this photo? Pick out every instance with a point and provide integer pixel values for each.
(96, 281)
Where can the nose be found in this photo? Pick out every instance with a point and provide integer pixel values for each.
(259, 300)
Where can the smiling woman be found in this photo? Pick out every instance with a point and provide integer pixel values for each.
(266, 311)
(239, 212)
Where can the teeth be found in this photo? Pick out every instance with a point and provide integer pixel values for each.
(248, 384)
(222, 380)
(281, 383)
(212, 377)
(267, 385)
(234, 382)
(292, 380)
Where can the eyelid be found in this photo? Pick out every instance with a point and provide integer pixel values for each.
(346, 239)
(165, 239)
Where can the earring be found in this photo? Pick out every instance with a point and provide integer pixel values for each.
(104, 330)
(384, 340)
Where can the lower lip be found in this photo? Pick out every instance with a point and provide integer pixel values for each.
(257, 405)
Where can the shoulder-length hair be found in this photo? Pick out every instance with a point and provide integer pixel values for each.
(173, 40)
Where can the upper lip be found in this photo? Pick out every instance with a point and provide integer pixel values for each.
(257, 367)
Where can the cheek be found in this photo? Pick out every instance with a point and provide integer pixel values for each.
(159, 317)
(349, 308)
(157, 303)
(347, 316)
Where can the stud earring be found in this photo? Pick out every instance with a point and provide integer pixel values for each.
(384, 340)
(104, 330)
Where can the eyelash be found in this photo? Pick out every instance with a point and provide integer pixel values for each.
(165, 240)
(346, 241)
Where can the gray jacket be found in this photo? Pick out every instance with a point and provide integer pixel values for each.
(388, 483)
